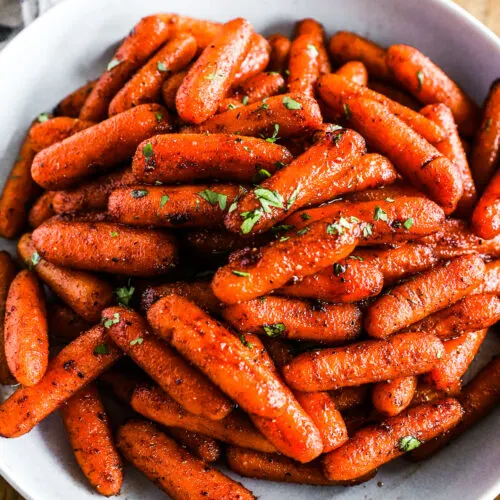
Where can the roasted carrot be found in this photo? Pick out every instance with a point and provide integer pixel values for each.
(205, 448)
(85, 293)
(417, 74)
(396, 94)
(397, 189)
(7, 274)
(280, 49)
(365, 362)
(491, 281)
(486, 216)
(313, 28)
(64, 324)
(355, 72)
(393, 396)
(347, 398)
(187, 386)
(486, 149)
(105, 247)
(308, 178)
(255, 272)
(452, 148)
(26, 330)
(345, 46)
(75, 366)
(202, 30)
(303, 64)
(296, 319)
(212, 74)
(427, 393)
(91, 439)
(98, 148)
(376, 445)
(255, 61)
(145, 39)
(259, 87)
(279, 116)
(42, 209)
(170, 87)
(349, 280)
(428, 293)
(72, 104)
(179, 158)
(174, 470)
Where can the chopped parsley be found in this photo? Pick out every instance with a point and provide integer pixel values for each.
(244, 101)
(390, 200)
(214, 76)
(159, 117)
(113, 64)
(274, 137)
(303, 231)
(42, 117)
(108, 323)
(213, 198)
(124, 294)
(290, 103)
(420, 79)
(245, 342)
(379, 214)
(113, 234)
(101, 349)
(356, 257)
(241, 274)
(264, 104)
(338, 227)
(282, 227)
(161, 66)
(34, 260)
(313, 51)
(408, 223)
(147, 151)
(274, 330)
(409, 443)
(367, 230)
(268, 198)
(339, 269)
(164, 200)
(347, 111)
(261, 175)
(250, 219)
(139, 193)
(231, 106)
(137, 341)
(305, 216)
(293, 198)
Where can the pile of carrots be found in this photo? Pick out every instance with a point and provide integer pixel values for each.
(266, 248)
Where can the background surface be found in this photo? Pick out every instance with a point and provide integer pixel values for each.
(487, 11)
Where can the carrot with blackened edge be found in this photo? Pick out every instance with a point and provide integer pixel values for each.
(393, 396)
(26, 330)
(209, 79)
(84, 292)
(296, 319)
(280, 49)
(255, 61)
(363, 363)
(428, 293)
(179, 158)
(145, 86)
(75, 366)
(173, 469)
(170, 87)
(176, 377)
(91, 439)
(313, 28)
(72, 104)
(355, 72)
(486, 216)
(205, 448)
(147, 36)
(376, 445)
(7, 274)
(42, 209)
(98, 148)
(417, 74)
(303, 65)
(64, 324)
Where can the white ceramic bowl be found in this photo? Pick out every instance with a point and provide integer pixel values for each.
(72, 44)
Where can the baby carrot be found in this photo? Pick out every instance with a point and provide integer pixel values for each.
(64, 324)
(7, 274)
(313, 28)
(280, 49)
(255, 61)
(72, 104)
(486, 216)
(42, 209)
(170, 87)
(303, 65)
(205, 448)
(393, 396)
(354, 71)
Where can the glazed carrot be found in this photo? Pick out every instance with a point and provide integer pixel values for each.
(42, 209)
(274, 118)
(175, 206)
(7, 274)
(179, 158)
(147, 36)
(486, 216)
(215, 351)
(258, 271)
(199, 292)
(72, 104)
(18, 191)
(187, 386)
(91, 439)
(312, 28)
(457, 358)
(44, 134)
(396, 94)
(347, 398)
(365, 362)
(98, 148)
(452, 148)
(398, 189)
(418, 75)
(26, 330)
(345, 46)
(427, 393)
(151, 402)
(105, 247)
(93, 194)
(382, 221)
(255, 61)
(202, 30)
(85, 293)
(280, 49)
(205, 448)
(296, 319)
(491, 280)
(170, 87)
(64, 324)
(355, 72)
(75, 366)
(478, 398)
(398, 263)
(376, 445)
(307, 178)
(145, 86)
(393, 396)
(486, 149)
(469, 314)
(414, 157)
(212, 74)
(303, 65)
(174, 470)
(349, 280)
(260, 86)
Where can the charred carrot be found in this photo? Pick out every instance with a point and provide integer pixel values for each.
(179, 158)
(72, 104)
(42, 209)
(355, 72)
(365, 362)
(428, 293)
(417, 74)
(145, 39)
(255, 61)
(85, 293)
(105, 247)
(393, 396)
(303, 65)
(205, 448)
(75, 366)
(280, 49)
(376, 445)
(91, 439)
(7, 274)
(64, 324)
(98, 148)
(486, 216)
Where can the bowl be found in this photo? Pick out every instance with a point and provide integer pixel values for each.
(73, 42)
